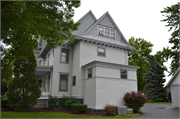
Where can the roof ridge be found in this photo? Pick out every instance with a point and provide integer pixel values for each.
(90, 12)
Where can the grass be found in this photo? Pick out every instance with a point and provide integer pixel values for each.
(158, 103)
(53, 115)
(176, 108)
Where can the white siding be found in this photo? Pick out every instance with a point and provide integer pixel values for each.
(175, 95)
(177, 79)
(61, 68)
(90, 93)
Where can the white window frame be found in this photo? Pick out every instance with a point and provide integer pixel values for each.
(104, 32)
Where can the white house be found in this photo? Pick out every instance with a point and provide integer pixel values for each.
(174, 84)
(94, 69)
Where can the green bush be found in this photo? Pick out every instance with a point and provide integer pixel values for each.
(4, 103)
(67, 101)
(109, 110)
(135, 100)
(79, 107)
(52, 101)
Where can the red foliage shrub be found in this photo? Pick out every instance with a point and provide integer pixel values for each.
(109, 110)
(135, 100)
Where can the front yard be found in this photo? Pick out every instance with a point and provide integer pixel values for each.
(55, 115)
(158, 103)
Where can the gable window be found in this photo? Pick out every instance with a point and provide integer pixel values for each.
(64, 55)
(101, 51)
(123, 74)
(101, 30)
(63, 82)
(90, 73)
(112, 33)
(74, 80)
(106, 31)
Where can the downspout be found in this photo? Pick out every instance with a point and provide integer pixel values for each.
(83, 84)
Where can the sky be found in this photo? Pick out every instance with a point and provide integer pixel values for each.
(137, 18)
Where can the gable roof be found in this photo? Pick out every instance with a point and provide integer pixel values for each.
(90, 12)
(174, 76)
(95, 24)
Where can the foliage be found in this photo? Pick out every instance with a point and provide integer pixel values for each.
(135, 100)
(169, 95)
(154, 82)
(4, 103)
(79, 107)
(52, 101)
(3, 88)
(67, 101)
(92, 113)
(172, 18)
(24, 89)
(22, 22)
(109, 110)
(140, 57)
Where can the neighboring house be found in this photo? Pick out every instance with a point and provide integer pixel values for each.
(94, 69)
(174, 84)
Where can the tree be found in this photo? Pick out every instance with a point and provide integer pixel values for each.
(25, 21)
(172, 19)
(23, 90)
(140, 57)
(154, 79)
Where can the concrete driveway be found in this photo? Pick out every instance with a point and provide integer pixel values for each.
(156, 111)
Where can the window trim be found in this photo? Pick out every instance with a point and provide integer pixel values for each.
(126, 74)
(61, 56)
(104, 51)
(104, 28)
(88, 73)
(106, 32)
(60, 82)
(73, 81)
(114, 33)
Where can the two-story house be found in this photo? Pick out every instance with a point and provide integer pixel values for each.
(94, 69)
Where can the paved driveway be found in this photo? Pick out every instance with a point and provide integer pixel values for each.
(156, 111)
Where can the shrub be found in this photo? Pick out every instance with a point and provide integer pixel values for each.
(4, 103)
(79, 107)
(67, 101)
(52, 101)
(109, 110)
(135, 100)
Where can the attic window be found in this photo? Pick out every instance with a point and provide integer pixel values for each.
(106, 31)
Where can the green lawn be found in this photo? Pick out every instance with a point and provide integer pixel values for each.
(176, 107)
(158, 103)
(53, 115)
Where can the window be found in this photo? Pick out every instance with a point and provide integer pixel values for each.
(112, 33)
(106, 32)
(63, 82)
(101, 51)
(39, 62)
(123, 74)
(74, 80)
(65, 55)
(90, 73)
(48, 59)
(101, 30)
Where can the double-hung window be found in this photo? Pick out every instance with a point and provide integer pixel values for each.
(74, 80)
(90, 73)
(101, 51)
(101, 30)
(107, 32)
(64, 55)
(123, 74)
(63, 82)
(112, 33)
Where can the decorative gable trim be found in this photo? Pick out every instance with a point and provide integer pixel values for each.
(174, 76)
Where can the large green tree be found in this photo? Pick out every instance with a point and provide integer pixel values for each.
(172, 18)
(154, 79)
(27, 20)
(140, 57)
